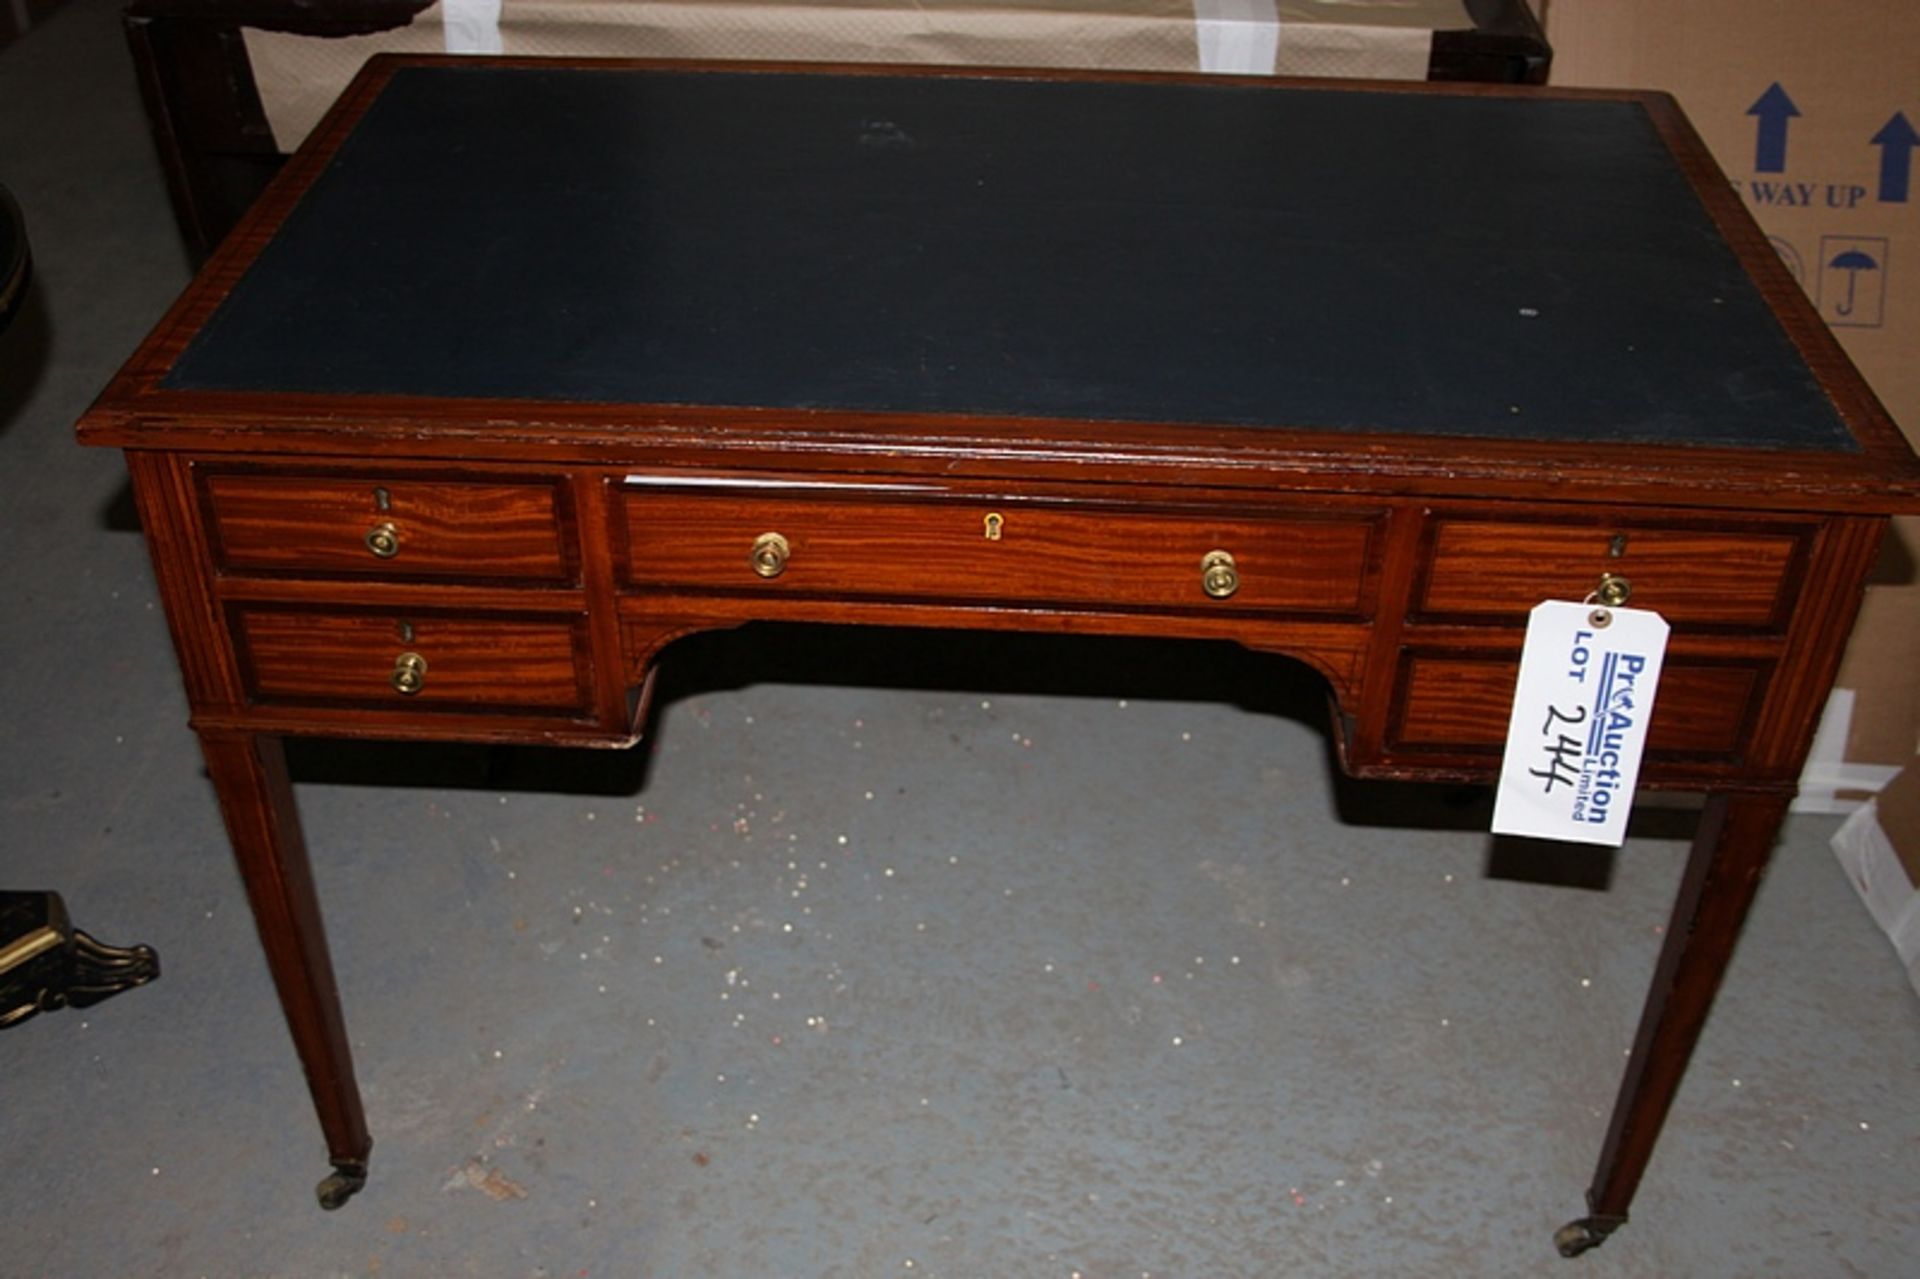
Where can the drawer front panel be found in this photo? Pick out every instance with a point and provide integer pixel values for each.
(1460, 704)
(1121, 559)
(1737, 578)
(466, 663)
(432, 528)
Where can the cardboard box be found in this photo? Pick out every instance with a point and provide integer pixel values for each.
(1813, 110)
(1880, 848)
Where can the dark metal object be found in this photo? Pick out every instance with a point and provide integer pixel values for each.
(47, 964)
(1505, 45)
(16, 260)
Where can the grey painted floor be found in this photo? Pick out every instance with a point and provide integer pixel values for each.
(958, 957)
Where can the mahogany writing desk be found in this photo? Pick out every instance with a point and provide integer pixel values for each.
(524, 369)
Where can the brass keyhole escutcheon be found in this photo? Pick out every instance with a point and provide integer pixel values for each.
(1219, 578)
(1613, 590)
(383, 539)
(769, 557)
(409, 674)
(995, 521)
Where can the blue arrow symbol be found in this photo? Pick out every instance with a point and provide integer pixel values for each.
(1774, 108)
(1896, 141)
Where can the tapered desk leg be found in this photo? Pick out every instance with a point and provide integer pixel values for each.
(249, 773)
(1730, 853)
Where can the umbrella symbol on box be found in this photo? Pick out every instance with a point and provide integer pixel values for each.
(1853, 262)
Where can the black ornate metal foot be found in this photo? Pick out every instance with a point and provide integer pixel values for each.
(46, 963)
(101, 971)
(1587, 1233)
(342, 1184)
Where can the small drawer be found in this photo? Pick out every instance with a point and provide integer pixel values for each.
(1014, 554)
(390, 526)
(1449, 703)
(1741, 578)
(510, 664)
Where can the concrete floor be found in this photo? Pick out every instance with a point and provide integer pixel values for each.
(958, 957)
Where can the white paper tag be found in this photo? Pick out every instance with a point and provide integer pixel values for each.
(1580, 710)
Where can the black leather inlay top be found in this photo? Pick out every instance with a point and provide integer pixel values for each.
(1146, 252)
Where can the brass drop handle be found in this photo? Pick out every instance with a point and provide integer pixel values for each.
(1218, 576)
(769, 557)
(409, 674)
(1613, 590)
(383, 539)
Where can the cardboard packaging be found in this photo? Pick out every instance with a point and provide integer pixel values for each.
(1810, 109)
(1813, 110)
(1878, 847)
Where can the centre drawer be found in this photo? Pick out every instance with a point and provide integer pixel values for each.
(393, 526)
(292, 654)
(1010, 553)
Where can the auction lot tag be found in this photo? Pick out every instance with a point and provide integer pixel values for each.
(1580, 711)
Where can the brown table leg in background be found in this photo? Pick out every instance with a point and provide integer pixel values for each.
(249, 773)
(1729, 856)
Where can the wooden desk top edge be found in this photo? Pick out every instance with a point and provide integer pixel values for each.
(1883, 477)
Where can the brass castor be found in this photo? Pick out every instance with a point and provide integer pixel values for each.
(341, 1184)
(1587, 1233)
